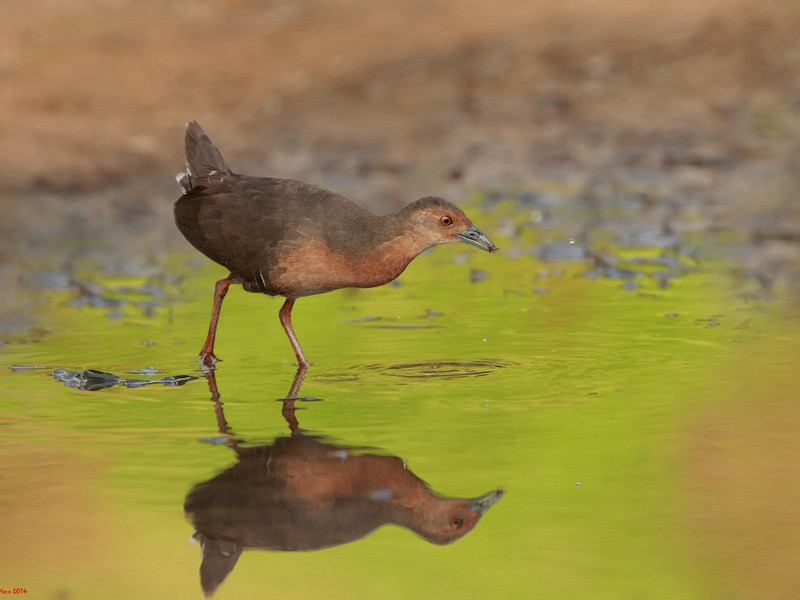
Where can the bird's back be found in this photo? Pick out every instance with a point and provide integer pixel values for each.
(250, 225)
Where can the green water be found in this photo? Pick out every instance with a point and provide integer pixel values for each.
(572, 394)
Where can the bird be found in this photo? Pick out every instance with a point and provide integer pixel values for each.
(284, 237)
(305, 492)
(302, 494)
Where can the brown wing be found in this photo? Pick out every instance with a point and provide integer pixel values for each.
(247, 223)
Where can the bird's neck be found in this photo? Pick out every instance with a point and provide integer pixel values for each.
(395, 245)
(399, 235)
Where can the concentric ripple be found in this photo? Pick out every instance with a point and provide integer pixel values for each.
(445, 369)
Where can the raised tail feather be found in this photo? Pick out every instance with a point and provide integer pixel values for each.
(204, 163)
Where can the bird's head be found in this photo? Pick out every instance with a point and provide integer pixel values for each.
(436, 221)
(444, 520)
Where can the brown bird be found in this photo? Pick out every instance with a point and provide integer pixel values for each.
(302, 492)
(288, 238)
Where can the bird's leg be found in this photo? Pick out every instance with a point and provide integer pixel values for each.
(207, 357)
(222, 424)
(288, 411)
(285, 315)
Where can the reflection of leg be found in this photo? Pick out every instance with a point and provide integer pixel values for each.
(222, 424)
(289, 416)
(207, 357)
(285, 316)
(299, 376)
(288, 410)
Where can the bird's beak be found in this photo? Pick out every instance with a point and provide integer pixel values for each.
(483, 503)
(474, 237)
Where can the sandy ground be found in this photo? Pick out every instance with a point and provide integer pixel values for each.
(408, 99)
(697, 109)
(689, 113)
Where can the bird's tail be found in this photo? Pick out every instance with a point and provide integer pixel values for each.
(204, 163)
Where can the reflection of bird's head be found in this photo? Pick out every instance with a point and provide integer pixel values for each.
(447, 519)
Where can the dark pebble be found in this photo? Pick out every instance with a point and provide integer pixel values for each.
(89, 380)
(477, 275)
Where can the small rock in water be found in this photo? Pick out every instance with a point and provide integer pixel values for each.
(88, 380)
(92, 380)
(477, 275)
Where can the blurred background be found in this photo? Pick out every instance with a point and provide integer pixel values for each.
(639, 123)
(699, 104)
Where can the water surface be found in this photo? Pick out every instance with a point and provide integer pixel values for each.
(579, 396)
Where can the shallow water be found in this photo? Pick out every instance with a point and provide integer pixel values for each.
(575, 395)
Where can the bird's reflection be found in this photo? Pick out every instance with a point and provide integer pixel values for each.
(303, 493)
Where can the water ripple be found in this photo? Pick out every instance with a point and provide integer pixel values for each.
(445, 369)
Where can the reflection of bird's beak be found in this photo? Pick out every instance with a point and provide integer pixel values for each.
(474, 237)
(483, 503)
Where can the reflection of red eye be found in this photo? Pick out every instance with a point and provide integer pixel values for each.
(445, 220)
(457, 522)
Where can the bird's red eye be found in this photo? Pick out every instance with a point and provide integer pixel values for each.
(457, 522)
(445, 220)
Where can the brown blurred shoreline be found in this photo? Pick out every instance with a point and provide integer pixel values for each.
(699, 104)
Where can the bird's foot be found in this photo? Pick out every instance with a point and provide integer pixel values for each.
(207, 360)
